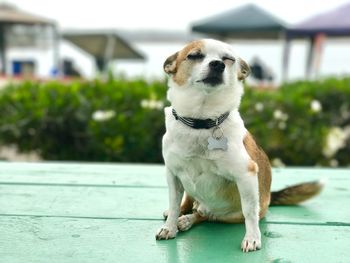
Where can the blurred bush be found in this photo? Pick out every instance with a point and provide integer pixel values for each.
(302, 123)
(90, 121)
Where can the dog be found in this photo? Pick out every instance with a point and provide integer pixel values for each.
(215, 170)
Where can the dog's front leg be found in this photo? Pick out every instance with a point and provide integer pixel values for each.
(249, 191)
(169, 229)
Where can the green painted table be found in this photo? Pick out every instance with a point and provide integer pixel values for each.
(74, 212)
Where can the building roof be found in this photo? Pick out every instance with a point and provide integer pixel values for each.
(11, 15)
(248, 21)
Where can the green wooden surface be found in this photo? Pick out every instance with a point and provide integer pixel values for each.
(69, 212)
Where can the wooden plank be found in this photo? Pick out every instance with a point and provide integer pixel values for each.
(82, 173)
(328, 207)
(141, 203)
(331, 176)
(37, 239)
(125, 191)
(95, 202)
(136, 174)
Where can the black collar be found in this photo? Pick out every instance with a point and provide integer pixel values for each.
(200, 123)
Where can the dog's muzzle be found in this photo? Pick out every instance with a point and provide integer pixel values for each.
(216, 69)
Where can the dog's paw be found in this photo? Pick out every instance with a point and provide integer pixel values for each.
(250, 243)
(166, 232)
(184, 222)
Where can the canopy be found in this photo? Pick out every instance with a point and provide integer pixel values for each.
(246, 22)
(333, 23)
(104, 46)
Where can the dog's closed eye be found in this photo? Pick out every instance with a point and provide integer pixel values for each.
(195, 56)
(229, 58)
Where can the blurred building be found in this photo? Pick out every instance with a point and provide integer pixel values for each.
(32, 46)
(28, 43)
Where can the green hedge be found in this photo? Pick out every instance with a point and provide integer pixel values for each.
(302, 123)
(90, 121)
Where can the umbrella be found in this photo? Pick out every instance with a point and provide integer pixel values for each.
(334, 23)
(104, 46)
(246, 22)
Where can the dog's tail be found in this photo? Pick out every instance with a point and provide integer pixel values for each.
(296, 194)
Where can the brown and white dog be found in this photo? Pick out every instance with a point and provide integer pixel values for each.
(213, 164)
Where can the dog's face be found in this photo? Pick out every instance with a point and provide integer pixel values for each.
(206, 64)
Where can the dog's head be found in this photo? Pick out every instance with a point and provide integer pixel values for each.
(206, 64)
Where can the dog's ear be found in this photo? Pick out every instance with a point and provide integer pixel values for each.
(244, 69)
(169, 65)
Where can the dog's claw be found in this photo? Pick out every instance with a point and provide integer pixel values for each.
(165, 214)
(166, 233)
(250, 244)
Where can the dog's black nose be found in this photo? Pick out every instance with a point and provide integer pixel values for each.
(217, 66)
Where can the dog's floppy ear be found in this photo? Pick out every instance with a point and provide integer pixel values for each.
(169, 65)
(244, 69)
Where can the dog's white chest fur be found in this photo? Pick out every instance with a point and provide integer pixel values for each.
(203, 172)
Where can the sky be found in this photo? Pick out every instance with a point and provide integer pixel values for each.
(160, 14)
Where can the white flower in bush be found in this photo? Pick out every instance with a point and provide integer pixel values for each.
(315, 106)
(259, 107)
(280, 115)
(277, 162)
(282, 125)
(101, 115)
(152, 104)
(336, 139)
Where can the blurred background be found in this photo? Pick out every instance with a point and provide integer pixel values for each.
(83, 81)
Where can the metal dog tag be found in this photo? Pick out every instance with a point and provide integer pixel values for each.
(217, 141)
